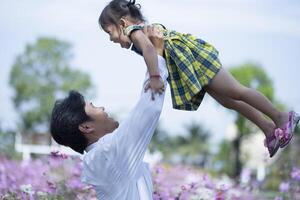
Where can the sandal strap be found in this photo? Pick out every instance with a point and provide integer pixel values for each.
(281, 133)
(269, 139)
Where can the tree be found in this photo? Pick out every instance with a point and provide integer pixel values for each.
(194, 147)
(41, 74)
(160, 141)
(224, 154)
(253, 76)
(190, 148)
(7, 142)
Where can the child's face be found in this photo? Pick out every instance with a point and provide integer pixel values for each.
(116, 35)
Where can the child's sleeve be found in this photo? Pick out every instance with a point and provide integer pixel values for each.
(129, 29)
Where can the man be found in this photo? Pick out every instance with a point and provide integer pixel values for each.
(113, 162)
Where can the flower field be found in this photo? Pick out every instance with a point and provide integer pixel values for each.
(58, 177)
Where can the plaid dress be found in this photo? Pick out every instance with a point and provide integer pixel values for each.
(192, 64)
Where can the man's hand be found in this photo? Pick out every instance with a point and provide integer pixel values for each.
(156, 37)
(156, 85)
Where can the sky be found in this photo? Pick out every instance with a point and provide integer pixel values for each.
(265, 32)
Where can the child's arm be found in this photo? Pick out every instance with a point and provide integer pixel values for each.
(156, 37)
(143, 43)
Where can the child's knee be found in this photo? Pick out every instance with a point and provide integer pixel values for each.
(227, 103)
(239, 93)
(228, 106)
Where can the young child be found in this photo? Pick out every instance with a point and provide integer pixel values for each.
(194, 69)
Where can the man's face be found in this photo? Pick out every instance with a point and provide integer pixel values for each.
(101, 120)
(116, 36)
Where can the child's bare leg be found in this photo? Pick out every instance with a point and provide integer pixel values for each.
(225, 85)
(246, 110)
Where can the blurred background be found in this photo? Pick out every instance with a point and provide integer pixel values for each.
(50, 47)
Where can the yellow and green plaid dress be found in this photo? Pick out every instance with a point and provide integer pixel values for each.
(192, 64)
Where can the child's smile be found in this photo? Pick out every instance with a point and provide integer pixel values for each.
(116, 36)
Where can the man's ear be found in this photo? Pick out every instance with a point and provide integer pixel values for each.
(86, 127)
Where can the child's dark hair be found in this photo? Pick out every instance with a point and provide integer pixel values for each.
(66, 117)
(117, 9)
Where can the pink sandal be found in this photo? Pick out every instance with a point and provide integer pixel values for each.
(272, 143)
(286, 134)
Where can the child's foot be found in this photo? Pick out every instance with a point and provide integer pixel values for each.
(272, 143)
(282, 119)
(285, 134)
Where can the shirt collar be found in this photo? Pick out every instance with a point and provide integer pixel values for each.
(91, 146)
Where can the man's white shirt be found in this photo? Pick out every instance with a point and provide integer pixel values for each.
(114, 164)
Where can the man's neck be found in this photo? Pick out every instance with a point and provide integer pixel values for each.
(92, 138)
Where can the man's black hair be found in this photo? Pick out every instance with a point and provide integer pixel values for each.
(67, 115)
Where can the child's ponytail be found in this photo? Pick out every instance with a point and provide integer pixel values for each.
(135, 10)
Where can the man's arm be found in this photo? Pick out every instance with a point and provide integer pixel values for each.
(131, 139)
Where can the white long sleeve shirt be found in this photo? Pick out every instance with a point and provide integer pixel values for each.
(114, 164)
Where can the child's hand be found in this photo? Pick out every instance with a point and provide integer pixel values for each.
(156, 85)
